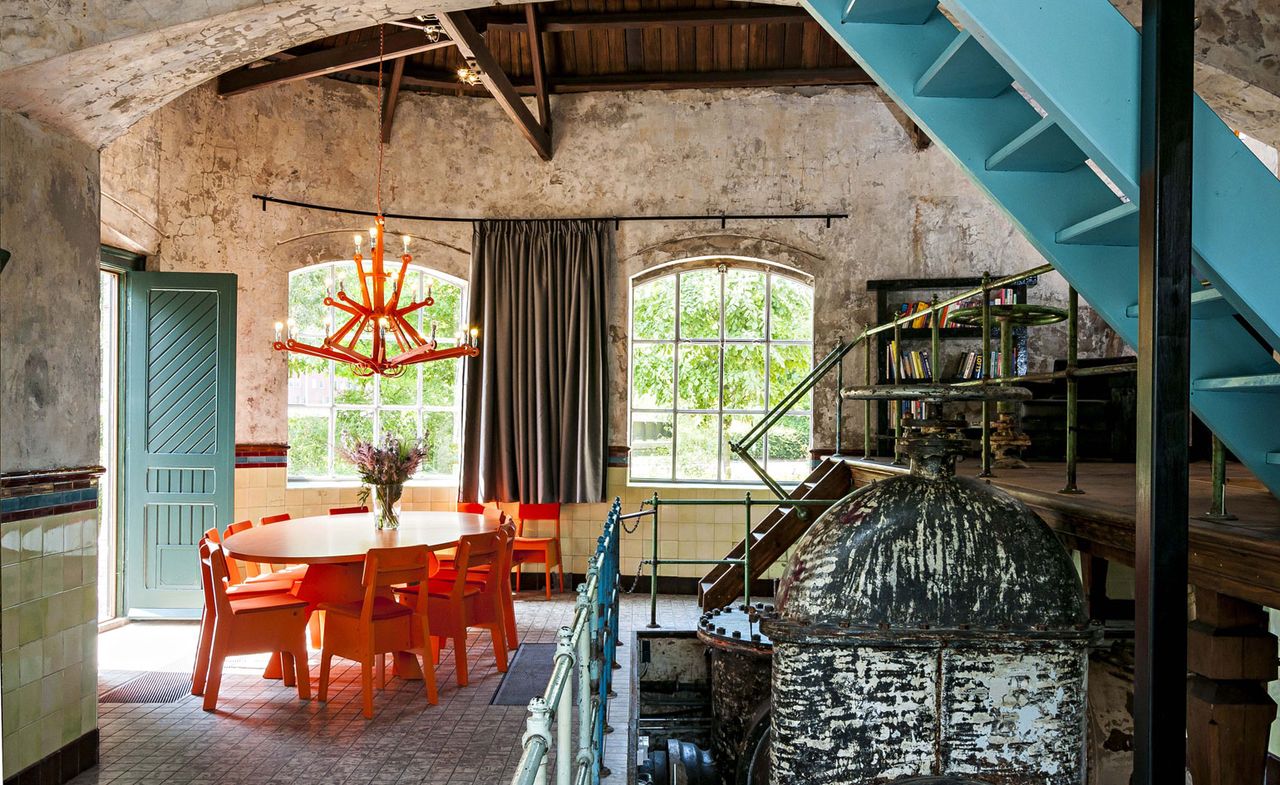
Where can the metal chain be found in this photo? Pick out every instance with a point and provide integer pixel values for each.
(636, 579)
(382, 112)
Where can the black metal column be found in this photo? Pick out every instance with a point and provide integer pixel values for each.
(1164, 347)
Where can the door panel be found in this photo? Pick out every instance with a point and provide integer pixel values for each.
(179, 454)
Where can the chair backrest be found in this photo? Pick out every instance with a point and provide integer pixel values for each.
(472, 507)
(214, 567)
(537, 512)
(348, 510)
(251, 568)
(475, 550)
(233, 567)
(507, 540)
(270, 519)
(385, 567)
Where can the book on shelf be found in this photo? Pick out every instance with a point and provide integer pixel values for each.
(924, 319)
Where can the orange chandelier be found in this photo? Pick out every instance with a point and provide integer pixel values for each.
(378, 311)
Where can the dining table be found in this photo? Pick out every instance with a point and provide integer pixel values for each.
(333, 548)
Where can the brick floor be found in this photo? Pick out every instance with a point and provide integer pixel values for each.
(262, 734)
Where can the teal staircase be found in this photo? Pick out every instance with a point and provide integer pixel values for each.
(961, 70)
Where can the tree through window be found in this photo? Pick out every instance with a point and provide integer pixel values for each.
(712, 349)
(327, 400)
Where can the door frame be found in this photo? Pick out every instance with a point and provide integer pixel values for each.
(121, 263)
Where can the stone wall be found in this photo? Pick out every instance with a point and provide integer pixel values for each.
(913, 214)
(48, 421)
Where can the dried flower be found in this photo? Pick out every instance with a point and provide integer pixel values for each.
(391, 463)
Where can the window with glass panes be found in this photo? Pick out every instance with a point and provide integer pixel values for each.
(327, 402)
(712, 349)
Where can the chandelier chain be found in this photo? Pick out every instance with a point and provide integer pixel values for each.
(382, 111)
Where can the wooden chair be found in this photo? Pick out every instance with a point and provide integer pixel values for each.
(274, 622)
(367, 629)
(538, 550)
(456, 605)
(479, 575)
(294, 570)
(348, 510)
(207, 613)
(262, 583)
(252, 569)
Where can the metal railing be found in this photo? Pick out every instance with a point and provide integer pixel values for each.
(582, 676)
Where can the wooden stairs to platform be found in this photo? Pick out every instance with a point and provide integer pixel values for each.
(773, 536)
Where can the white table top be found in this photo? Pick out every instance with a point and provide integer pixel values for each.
(334, 539)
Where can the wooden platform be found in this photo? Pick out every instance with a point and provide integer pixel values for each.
(1240, 558)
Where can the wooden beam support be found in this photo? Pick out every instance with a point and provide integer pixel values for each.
(390, 98)
(471, 44)
(815, 77)
(324, 62)
(538, 65)
(567, 23)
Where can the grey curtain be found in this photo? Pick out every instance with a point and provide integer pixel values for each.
(536, 399)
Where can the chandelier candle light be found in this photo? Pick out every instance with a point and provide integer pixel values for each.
(378, 311)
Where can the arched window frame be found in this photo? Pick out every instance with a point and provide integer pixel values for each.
(334, 473)
(727, 470)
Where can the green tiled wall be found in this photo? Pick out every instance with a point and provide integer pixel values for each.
(48, 634)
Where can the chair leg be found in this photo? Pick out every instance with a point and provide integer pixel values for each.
(326, 659)
(286, 668)
(560, 568)
(428, 662)
(303, 671)
(509, 621)
(547, 569)
(381, 660)
(201, 670)
(499, 650)
(460, 657)
(214, 681)
(314, 624)
(366, 688)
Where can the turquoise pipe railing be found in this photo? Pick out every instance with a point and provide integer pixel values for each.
(585, 648)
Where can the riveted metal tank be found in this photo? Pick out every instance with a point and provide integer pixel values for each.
(740, 659)
(929, 626)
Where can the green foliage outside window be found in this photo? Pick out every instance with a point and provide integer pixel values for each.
(327, 400)
(712, 349)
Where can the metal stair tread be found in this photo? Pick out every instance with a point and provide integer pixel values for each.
(1116, 226)
(893, 12)
(1205, 304)
(1044, 147)
(1253, 383)
(964, 70)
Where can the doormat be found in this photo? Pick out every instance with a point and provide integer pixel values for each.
(527, 675)
(150, 687)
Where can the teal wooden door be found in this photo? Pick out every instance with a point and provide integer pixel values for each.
(178, 399)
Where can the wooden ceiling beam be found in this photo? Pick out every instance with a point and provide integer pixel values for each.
(817, 77)
(326, 61)
(391, 98)
(567, 23)
(538, 65)
(471, 44)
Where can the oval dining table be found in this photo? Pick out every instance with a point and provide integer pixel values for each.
(334, 547)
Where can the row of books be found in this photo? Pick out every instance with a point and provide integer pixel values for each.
(916, 365)
(998, 297)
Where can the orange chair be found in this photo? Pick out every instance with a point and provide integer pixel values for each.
(252, 569)
(348, 510)
(235, 591)
(455, 605)
(538, 550)
(261, 583)
(272, 622)
(296, 571)
(367, 629)
(479, 575)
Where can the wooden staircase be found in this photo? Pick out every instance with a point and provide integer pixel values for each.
(779, 530)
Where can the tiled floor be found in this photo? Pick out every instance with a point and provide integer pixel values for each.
(264, 735)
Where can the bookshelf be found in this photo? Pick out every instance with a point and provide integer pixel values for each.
(890, 294)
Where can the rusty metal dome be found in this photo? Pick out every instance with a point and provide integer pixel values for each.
(935, 553)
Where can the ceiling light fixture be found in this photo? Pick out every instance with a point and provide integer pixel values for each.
(470, 73)
(377, 311)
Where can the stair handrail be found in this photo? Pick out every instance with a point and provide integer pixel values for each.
(835, 360)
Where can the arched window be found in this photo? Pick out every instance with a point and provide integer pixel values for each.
(327, 400)
(714, 344)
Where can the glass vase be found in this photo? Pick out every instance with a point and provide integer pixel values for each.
(386, 506)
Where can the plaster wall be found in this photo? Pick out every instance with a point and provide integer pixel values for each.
(912, 214)
(48, 420)
(49, 299)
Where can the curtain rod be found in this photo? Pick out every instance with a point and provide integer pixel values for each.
(722, 217)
